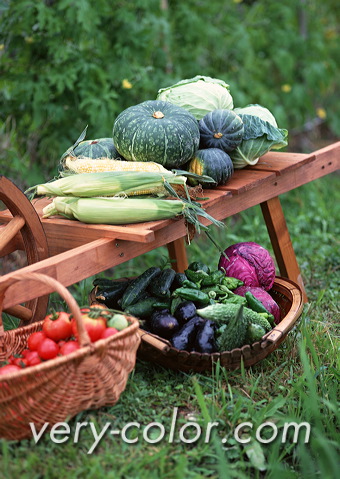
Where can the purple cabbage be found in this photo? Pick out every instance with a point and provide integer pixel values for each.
(268, 302)
(249, 262)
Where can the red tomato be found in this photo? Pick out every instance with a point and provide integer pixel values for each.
(69, 347)
(35, 339)
(21, 362)
(33, 358)
(25, 352)
(109, 332)
(9, 368)
(94, 322)
(48, 349)
(57, 326)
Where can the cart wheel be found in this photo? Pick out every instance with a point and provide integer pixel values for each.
(23, 232)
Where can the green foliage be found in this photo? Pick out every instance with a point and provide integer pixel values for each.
(66, 64)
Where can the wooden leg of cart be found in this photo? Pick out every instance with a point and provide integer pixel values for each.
(281, 242)
(178, 255)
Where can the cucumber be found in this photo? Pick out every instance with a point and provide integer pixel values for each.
(106, 283)
(161, 285)
(111, 294)
(138, 286)
(178, 280)
(145, 307)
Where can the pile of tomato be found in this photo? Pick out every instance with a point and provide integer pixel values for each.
(59, 336)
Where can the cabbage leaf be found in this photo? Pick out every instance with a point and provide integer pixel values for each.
(259, 137)
(198, 95)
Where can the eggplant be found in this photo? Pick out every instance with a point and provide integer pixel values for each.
(185, 338)
(205, 338)
(185, 310)
(164, 324)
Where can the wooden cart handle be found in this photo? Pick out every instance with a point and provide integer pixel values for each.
(83, 337)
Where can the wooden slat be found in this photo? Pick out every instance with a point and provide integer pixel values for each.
(279, 163)
(244, 180)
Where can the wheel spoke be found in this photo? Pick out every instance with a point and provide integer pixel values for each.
(20, 312)
(11, 229)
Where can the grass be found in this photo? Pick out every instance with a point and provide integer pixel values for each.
(297, 382)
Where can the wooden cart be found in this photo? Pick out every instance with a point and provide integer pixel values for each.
(70, 251)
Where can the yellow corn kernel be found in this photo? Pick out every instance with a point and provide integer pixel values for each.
(89, 165)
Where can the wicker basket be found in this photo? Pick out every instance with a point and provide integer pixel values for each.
(53, 391)
(158, 350)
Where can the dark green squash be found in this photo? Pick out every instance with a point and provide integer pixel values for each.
(156, 131)
(222, 129)
(212, 162)
(100, 148)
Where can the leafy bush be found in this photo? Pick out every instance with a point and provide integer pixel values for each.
(65, 64)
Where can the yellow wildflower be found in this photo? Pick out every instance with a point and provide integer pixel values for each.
(29, 39)
(321, 113)
(2, 47)
(126, 84)
(286, 88)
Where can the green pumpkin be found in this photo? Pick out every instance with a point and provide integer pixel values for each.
(156, 131)
(101, 148)
(221, 129)
(212, 162)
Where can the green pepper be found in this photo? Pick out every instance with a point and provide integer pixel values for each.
(231, 283)
(189, 284)
(198, 266)
(191, 294)
(234, 299)
(213, 278)
(196, 276)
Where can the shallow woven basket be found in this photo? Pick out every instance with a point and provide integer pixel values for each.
(55, 390)
(158, 350)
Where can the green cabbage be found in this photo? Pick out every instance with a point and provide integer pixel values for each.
(198, 95)
(261, 134)
(257, 110)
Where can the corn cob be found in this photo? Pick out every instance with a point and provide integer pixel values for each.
(88, 165)
(120, 211)
(110, 183)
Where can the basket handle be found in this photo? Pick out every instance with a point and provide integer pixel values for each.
(83, 337)
(161, 344)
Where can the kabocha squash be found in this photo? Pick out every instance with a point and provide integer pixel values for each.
(100, 148)
(212, 162)
(156, 131)
(222, 129)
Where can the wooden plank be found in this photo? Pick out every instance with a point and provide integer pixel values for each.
(281, 242)
(244, 180)
(281, 162)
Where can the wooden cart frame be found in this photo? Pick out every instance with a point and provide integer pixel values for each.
(77, 251)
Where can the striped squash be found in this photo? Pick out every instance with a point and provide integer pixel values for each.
(222, 129)
(100, 148)
(212, 162)
(156, 131)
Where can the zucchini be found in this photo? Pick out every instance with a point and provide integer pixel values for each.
(161, 285)
(145, 307)
(138, 286)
